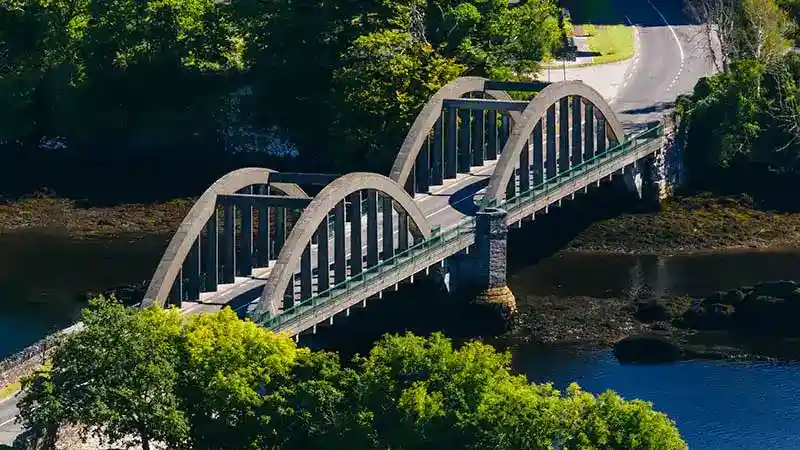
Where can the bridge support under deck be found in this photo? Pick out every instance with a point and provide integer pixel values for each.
(491, 247)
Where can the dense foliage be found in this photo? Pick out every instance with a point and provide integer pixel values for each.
(341, 79)
(743, 124)
(216, 382)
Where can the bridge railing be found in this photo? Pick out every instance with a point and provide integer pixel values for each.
(419, 252)
(553, 184)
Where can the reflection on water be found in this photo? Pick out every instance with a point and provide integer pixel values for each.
(43, 276)
(577, 274)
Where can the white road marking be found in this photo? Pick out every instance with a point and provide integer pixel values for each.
(677, 41)
(2, 424)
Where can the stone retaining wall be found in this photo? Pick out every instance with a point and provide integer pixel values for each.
(27, 360)
(667, 162)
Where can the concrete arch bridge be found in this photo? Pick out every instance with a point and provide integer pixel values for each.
(474, 161)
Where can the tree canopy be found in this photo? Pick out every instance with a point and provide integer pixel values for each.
(214, 381)
(339, 79)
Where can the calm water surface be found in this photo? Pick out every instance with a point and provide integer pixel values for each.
(716, 405)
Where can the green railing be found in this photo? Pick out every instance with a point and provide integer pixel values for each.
(553, 184)
(440, 238)
(416, 252)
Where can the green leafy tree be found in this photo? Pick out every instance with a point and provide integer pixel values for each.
(230, 370)
(386, 79)
(115, 379)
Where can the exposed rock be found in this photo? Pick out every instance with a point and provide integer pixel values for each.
(647, 349)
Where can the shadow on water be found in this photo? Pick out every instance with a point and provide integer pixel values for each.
(44, 278)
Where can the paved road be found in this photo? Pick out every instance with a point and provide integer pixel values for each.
(671, 60)
(8, 428)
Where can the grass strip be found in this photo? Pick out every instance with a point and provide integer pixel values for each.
(613, 42)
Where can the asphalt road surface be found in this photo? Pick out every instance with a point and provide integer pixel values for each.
(671, 59)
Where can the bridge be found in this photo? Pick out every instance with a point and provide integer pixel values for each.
(474, 162)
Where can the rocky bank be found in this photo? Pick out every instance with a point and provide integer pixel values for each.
(751, 323)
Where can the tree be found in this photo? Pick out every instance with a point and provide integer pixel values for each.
(422, 393)
(213, 381)
(742, 29)
(229, 372)
(115, 379)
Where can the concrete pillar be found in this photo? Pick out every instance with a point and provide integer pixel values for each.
(323, 258)
(244, 266)
(280, 230)
(505, 131)
(211, 255)
(491, 135)
(339, 249)
(356, 253)
(563, 135)
(228, 245)
(550, 160)
(577, 128)
(601, 135)
(525, 168)
(477, 137)
(588, 134)
(263, 254)
(422, 169)
(490, 252)
(437, 169)
(372, 228)
(450, 144)
(538, 154)
(306, 275)
(388, 228)
(402, 231)
(464, 158)
(191, 272)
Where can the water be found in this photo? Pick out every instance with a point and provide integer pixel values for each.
(716, 405)
(43, 276)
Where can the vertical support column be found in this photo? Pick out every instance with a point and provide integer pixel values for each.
(505, 130)
(339, 252)
(550, 160)
(306, 276)
(388, 228)
(323, 258)
(402, 231)
(538, 153)
(422, 168)
(288, 294)
(280, 230)
(372, 228)
(356, 253)
(437, 169)
(228, 245)
(601, 135)
(263, 254)
(451, 141)
(577, 127)
(525, 168)
(490, 250)
(491, 135)
(191, 271)
(244, 266)
(588, 134)
(464, 159)
(563, 135)
(210, 254)
(477, 138)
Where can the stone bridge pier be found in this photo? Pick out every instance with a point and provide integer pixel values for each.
(481, 273)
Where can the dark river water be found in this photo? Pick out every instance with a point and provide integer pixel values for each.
(716, 405)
